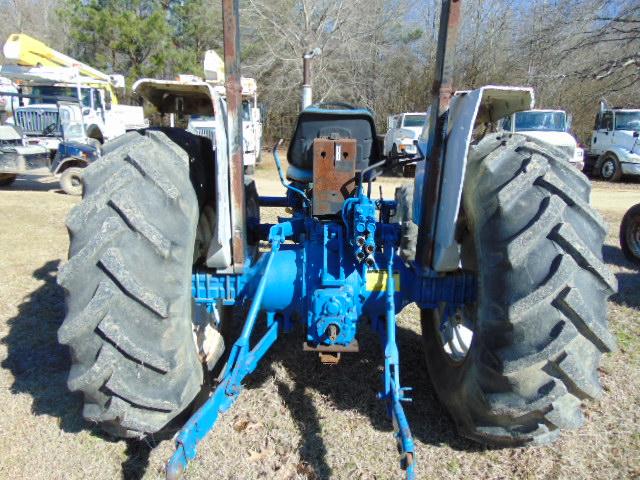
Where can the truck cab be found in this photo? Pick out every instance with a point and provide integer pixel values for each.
(550, 126)
(402, 130)
(42, 120)
(615, 146)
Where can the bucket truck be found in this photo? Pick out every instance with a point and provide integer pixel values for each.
(45, 74)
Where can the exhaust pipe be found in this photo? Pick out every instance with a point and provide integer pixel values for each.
(307, 94)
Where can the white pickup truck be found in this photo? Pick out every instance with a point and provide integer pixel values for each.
(615, 144)
(550, 126)
(402, 130)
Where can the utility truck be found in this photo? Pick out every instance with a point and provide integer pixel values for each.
(550, 126)
(615, 143)
(23, 155)
(495, 242)
(251, 116)
(42, 72)
(402, 130)
(17, 157)
(6, 86)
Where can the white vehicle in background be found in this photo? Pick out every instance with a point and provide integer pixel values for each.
(550, 126)
(6, 86)
(45, 74)
(251, 118)
(402, 130)
(615, 146)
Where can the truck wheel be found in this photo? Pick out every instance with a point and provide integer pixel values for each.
(128, 288)
(610, 169)
(513, 368)
(7, 179)
(71, 181)
(630, 234)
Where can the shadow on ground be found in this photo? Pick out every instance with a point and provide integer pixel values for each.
(353, 385)
(628, 290)
(31, 183)
(613, 255)
(40, 365)
(628, 282)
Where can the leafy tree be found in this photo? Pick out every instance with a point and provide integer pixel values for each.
(125, 36)
(196, 28)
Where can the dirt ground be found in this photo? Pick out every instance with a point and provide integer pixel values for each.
(296, 419)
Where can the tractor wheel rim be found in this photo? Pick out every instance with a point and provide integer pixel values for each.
(608, 169)
(75, 181)
(455, 332)
(633, 236)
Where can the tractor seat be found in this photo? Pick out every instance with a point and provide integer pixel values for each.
(326, 121)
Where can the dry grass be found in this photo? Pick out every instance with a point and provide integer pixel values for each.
(296, 418)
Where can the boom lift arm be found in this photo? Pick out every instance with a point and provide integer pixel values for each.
(30, 59)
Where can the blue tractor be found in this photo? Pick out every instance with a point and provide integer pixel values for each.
(495, 241)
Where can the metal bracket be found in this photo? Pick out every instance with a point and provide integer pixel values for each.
(353, 347)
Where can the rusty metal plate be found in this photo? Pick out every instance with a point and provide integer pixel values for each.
(334, 170)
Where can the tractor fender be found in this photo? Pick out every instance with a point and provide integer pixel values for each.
(58, 167)
(201, 98)
(219, 252)
(467, 110)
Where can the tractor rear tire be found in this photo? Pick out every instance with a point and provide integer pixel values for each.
(539, 323)
(128, 287)
(630, 234)
(7, 179)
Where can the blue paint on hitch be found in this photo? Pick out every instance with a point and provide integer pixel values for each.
(331, 274)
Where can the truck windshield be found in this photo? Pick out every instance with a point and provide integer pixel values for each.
(414, 120)
(628, 120)
(54, 91)
(541, 122)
